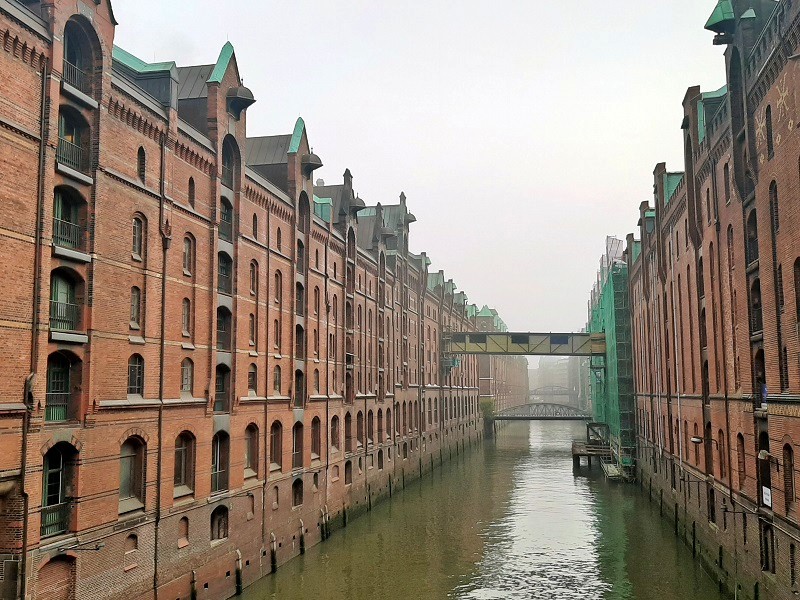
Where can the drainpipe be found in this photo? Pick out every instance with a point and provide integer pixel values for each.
(34, 360)
(327, 376)
(166, 241)
(267, 427)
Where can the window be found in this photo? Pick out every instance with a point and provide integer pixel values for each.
(741, 460)
(188, 256)
(136, 307)
(225, 269)
(770, 139)
(316, 437)
(137, 246)
(252, 329)
(183, 532)
(254, 277)
(219, 461)
(136, 375)
(131, 475)
(219, 523)
(68, 230)
(183, 479)
(276, 335)
(276, 446)
(141, 164)
(751, 232)
(251, 450)
(721, 454)
(226, 220)
(276, 380)
(297, 492)
(77, 58)
(278, 288)
(186, 317)
(773, 207)
(278, 240)
(191, 191)
(316, 300)
(297, 446)
(252, 379)
(797, 290)
(348, 472)
(222, 382)
(255, 226)
(224, 329)
(335, 433)
(187, 375)
(59, 388)
(300, 256)
(300, 299)
(780, 294)
(316, 381)
(788, 476)
(55, 492)
(726, 182)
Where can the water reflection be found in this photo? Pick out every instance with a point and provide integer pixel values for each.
(508, 520)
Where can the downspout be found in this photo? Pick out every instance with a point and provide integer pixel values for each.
(267, 425)
(34, 360)
(166, 241)
(328, 374)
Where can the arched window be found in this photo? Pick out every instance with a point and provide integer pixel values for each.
(191, 191)
(380, 425)
(229, 160)
(224, 329)
(756, 319)
(188, 255)
(348, 472)
(797, 289)
(225, 273)
(183, 532)
(251, 319)
(316, 300)
(141, 164)
(187, 376)
(348, 432)
(300, 299)
(137, 245)
(278, 288)
(186, 317)
(276, 335)
(316, 438)
(278, 240)
(226, 220)
(252, 379)
(721, 455)
(316, 381)
(253, 277)
(131, 475)
(334, 433)
(774, 211)
(389, 423)
(220, 457)
(741, 460)
(751, 232)
(300, 256)
(276, 446)
(297, 446)
(183, 478)
(222, 388)
(380, 460)
(255, 226)
(360, 429)
(78, 67)
(370, 428)
(136, 375)
(297, 492)
(136, 307)
(219, 523)
(57, 479)
(788, 476)
(770, 139)
(69, 219)
(251, 450)
(726, 182)
(299, 388)
(276, 380)
(63, 376)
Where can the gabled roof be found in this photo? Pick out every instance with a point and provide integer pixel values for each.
(225, 56)
(192, 81)
(268, 150)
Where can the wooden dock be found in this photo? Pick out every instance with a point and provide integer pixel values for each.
(589, 451)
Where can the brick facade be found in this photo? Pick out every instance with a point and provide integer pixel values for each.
(714, 284)
(299, 336)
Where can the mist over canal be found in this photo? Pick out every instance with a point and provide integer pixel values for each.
(508, 519)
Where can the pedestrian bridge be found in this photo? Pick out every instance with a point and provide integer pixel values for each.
(543, 411)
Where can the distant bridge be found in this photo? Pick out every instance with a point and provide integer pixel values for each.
(543, 411)
(552, 390)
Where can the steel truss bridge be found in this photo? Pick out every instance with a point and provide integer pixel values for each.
(525, 344)
(543, 411)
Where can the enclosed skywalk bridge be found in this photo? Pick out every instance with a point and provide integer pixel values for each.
(525, 344)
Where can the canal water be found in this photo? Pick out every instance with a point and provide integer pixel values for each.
(508, 519)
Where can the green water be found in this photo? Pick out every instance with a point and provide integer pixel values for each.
(508, 520)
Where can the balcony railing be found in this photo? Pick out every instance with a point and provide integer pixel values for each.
(67, 235)
(752, 251)
(225, 284)
(55, 519)
(70, 155)
(219, 480)
(77, 78)
(221, 402)
(226, 230)
(224, 341)
(64, 316)
(297, 459)
(227, 176)
(756, 321)
(57, 406)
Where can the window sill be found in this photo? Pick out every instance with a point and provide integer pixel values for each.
(130, 568)
(250, 473)
(130, 505)
(218, 542)
(136, 257)
(182, 543)
(183, 493)
(187, 272)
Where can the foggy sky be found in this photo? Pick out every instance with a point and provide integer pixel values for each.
(521, 132)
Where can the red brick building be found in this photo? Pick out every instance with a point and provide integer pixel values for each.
(715, 297)
(210, 359)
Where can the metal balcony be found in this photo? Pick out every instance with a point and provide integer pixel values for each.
(57, 407)
(55, 519)
(225, 284)
(219, 480)
(77, 78)
(71, 155)
(64, 316)
(226, 230)
(67, 235)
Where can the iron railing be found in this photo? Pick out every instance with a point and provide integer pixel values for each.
(224, 340)
(77, 78)
(64, 316)
(756, 321)
(57, 407)
(55, 519)
(297, 459)
(226, 230)
(219, 480)
(67, 235)
(225, 284)
(70, 154)
(752, 250)
(227, 176)
(221, 401)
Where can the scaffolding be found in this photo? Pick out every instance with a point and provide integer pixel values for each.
(611, 377)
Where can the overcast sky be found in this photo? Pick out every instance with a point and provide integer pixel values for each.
(521, 132)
